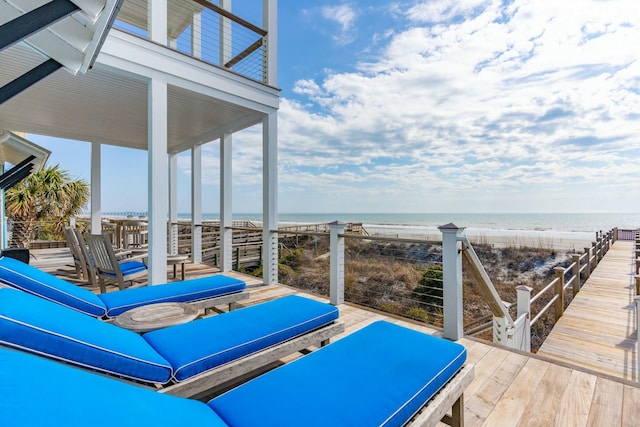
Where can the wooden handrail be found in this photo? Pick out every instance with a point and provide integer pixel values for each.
(248, 51)
(231, 17)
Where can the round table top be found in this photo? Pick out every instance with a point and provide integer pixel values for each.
(177, 258)
(155, 316)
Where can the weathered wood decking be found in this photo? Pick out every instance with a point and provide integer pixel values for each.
(598, 329)
(510, 388)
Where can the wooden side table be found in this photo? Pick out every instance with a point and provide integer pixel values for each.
(156, 316)
(175, 260)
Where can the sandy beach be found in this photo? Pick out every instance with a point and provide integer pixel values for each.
(563, 241)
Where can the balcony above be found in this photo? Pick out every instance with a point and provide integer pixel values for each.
(215, 85)
(205, 31)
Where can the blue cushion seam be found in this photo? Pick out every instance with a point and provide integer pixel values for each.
(427, 384)
(264, 337)
(151, 301)
(81, 364)
(83, 343)
(15, 285)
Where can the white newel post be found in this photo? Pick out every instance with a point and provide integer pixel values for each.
(336, 279)
(173, 204)
(96, 189)
(226, 193)
(524, 317)
(452, 281)
(196, 204)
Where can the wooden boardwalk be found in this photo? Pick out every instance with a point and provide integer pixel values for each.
(598, 329)
(510, 388)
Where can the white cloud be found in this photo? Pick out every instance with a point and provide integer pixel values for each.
(472, 96)
(345, 16)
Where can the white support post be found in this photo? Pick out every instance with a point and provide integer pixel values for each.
(96, 189)
(173, 204)
(157, 19)
(196, 204)
(158, 172)
(270, 23)
(523, 318)
(225, 34)
(452, 281)
(336, 257)
(196, 35)
(226, 212)
(270, 198)
(501, 330)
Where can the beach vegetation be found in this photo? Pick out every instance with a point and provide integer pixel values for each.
(429, 290)
(45, 199)
(405, 279)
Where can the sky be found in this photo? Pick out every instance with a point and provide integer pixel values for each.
(431, 106)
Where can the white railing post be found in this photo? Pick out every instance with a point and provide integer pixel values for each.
(336, 278)
(452, 281)
(524, 314)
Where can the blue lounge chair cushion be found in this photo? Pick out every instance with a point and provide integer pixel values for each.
(129, 267)
(22, 276)
(185, 291)
(33, 324)
(238, 333)
(38, 392)
(381, 375)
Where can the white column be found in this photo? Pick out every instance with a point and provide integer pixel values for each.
(270, 23)
(196, 204)
(157, 19)
(226, 212)
(158, 181)
(225, 34)
(336, 260)
(270, 197)
(452, 281)
(173, 204)
(196, 35)
(524, 317)
(96, 189)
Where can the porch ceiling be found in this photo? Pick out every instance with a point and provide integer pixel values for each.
(107, 106)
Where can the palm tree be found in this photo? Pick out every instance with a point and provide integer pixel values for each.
(49, 195)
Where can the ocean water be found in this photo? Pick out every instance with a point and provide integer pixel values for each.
(578, 223)
(552, 229)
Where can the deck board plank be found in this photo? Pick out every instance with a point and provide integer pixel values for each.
(598, 328)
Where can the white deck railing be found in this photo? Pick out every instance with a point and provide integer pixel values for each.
(205, 31)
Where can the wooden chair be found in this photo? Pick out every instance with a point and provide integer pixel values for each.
(108, 268)
(135, 235)
(78, 258)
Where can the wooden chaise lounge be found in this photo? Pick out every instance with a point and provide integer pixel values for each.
(188, 359)
(382, 375)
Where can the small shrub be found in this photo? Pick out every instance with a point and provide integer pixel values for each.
(417, 313)
(390, 307)
(430, 288)
(292, 259)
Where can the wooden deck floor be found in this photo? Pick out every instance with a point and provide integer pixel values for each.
(509, 389)
(598, 329)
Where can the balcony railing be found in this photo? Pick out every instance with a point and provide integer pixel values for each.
(205, 31)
